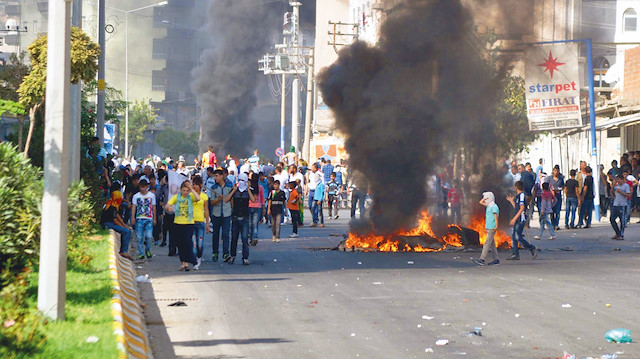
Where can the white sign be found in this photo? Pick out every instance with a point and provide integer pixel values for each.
(552, 87)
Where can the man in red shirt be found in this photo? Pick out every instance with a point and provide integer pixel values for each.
(209, 158)
(455, 200)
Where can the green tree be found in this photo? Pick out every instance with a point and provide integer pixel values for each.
(175, 143)
(11, 76)
(84, 65)
(15, 109)
(141, 116)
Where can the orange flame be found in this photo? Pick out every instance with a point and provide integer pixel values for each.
(423, 229)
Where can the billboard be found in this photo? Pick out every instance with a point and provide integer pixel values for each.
(552, 87)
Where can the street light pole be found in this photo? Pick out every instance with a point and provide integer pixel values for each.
(126, 85)
(101, 70)
(53, 232)
(126, 69)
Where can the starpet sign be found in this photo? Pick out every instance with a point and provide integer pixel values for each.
(552, 88)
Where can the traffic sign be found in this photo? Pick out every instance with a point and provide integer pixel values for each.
(279, 151)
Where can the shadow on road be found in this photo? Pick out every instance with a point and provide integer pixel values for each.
(213, 342)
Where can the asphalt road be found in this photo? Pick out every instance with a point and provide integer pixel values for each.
(297, 300)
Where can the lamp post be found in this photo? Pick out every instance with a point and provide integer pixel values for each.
(126, 69)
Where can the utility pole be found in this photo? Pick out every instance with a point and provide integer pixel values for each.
(295, 112)
(53, 233)
(101, 84)
(306, 147)
(76, 107)
(283, 108)
(289, 60)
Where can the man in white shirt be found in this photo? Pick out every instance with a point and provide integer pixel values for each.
(254, 162)
(315, 177)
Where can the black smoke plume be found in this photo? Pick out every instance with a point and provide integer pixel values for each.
(225, 82)
(402, 103)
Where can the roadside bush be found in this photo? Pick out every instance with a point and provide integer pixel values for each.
(81, 223)
(20, 200)
(21, 326)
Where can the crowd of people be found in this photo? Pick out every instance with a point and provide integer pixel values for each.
(538, 192)
(166, 203)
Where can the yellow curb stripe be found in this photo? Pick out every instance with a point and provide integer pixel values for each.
(128, 322)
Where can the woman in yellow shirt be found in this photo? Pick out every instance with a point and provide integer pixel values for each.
(182, 204)
(201, 219)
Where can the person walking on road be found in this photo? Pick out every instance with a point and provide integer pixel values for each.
(277, 199)
(143, 218)
(318, 198)
(220, 214)
(621, 193)
(519, 203)
(548, 201)
(201, 220)
(315, 177)
(182, 205)
(491, 224)
(241, 195)
(292, 205)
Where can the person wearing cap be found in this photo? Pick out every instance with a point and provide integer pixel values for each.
(240, 195)
(291, 158)
(491, 225)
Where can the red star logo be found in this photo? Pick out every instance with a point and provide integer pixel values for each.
(551, 64)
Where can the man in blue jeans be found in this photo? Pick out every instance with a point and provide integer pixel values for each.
(571, 192)
(519, 203)
(315, 177)
(220, 214)
(586, 206)
(111, 219)
(143, 217)
(241, 195)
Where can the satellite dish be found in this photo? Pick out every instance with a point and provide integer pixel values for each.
(11, 24)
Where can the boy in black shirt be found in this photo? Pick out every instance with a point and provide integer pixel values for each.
(277, 199)
(240, 196)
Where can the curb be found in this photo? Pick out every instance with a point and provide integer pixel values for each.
(128, 320)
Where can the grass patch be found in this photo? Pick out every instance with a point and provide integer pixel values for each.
(88, 308)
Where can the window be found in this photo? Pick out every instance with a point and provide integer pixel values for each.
(630, 20)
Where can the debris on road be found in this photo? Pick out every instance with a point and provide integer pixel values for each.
(143, 279)
(477, 331)
(567, 305)
(442, 342)
(178, 304)
(428, 350)
(427, 317)
(618, 336)
(353, 334)
(517, 315)
(409, 262)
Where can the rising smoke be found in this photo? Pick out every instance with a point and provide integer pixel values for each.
(402, 103)
(225, 82)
